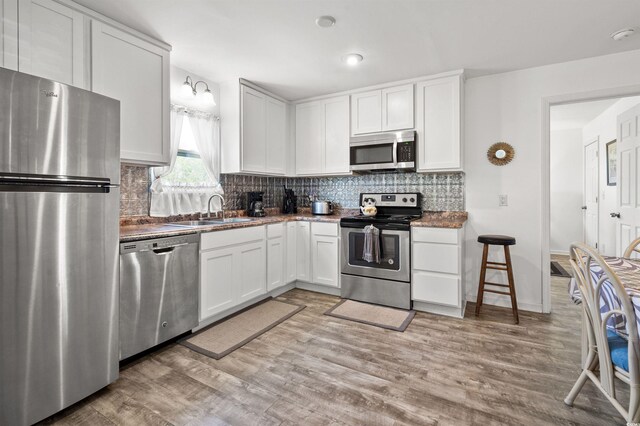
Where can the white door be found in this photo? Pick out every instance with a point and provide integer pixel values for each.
(276, 128)
(9, 34)
(438, 124)
(275, 263)
(397, 108)
(628, 150)
(303, 255)
(591, 191)
(324, 252)
(253, 126)
(336, 125)
(366, 112)
(218, 279)
(136, 73)
(252, 271)
(51, 41)
(291, 259)
(309, 138)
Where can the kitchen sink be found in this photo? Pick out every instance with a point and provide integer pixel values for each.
(210, 222)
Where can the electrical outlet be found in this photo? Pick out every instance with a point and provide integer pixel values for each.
(503, 200)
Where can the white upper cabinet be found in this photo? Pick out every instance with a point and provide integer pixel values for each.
(438, 124)
(382, 110)
(254, 130)
(309, 138)
(322, 137)
(254, 138)
(136, 72)
(276, 136)
(397, 108)
(9, 34)
(366, 112)
(52, 42)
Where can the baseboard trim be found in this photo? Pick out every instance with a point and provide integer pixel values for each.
(217, 317)
(432, 308)
(505, 302)
(334, 291)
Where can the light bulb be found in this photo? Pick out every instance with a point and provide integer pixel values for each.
(207, 96)
(353, 59)
(187, 90)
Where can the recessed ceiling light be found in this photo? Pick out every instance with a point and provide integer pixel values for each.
(619, 35)
(325, 21)
(352, 59)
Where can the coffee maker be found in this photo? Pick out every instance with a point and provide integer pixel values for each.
(289, 202)
(255, 204)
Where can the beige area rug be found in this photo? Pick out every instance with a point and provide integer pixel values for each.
(380, 316)
(225, 336)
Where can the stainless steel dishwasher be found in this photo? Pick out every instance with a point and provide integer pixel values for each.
(158, 291)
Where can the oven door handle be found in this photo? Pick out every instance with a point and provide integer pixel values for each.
(395, 153)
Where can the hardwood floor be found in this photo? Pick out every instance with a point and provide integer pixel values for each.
(315, 369)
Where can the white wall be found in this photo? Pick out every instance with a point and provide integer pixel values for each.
(603, 128)
(178, 75)
(508, 107)
(567, 188)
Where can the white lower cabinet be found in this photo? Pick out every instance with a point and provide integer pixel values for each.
(303, 251)
(291, 252)
(436, 274)
(325, 252)
(276, 252)
(233, 268)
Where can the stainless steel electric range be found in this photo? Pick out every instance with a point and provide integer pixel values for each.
(389, 281)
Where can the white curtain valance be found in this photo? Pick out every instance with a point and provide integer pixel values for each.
(170, 200)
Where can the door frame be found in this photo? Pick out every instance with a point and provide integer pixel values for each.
(584, 188)
(546, 103)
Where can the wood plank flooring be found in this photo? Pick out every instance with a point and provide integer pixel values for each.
(319, 370)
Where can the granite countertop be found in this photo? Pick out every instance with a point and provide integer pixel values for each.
(453, 220)
(140, 228)
(144, 228)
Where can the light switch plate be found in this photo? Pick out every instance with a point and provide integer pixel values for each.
(503, 200)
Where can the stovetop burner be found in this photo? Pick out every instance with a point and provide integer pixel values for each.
(386, 218)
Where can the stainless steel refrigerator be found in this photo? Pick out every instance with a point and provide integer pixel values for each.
(59, 204)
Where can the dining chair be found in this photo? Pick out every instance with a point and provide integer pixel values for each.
(633, 248)
(608, 353)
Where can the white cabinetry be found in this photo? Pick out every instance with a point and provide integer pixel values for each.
(382, 110)
(325, 251)
(9, 34)
(437, 270)
(232, 269)
(322, 137)
(52, 42)
(254, 130)
(438, 124)
(135, 72)
(276, 252)
(291, 250)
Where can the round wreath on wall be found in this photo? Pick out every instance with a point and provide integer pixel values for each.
(500, 153)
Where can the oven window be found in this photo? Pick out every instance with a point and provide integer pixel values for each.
(389, 251)
(372, 154)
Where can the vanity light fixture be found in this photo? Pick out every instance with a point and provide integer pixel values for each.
(190, 88)
(352, 59)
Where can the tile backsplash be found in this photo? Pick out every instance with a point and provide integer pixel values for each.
(134, 190)
(441, 191)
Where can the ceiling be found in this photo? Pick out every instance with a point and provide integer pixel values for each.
(576, 116)
(276, 44)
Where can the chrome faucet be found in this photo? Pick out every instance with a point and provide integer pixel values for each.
(222, 204)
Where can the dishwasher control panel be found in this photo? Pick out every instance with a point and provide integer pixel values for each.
(158, 243)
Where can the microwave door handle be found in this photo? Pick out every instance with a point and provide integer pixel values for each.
(395, 153)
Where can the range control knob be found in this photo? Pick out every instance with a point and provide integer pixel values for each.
(413, 200)
(404, 200)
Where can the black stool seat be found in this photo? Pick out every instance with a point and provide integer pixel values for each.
(498, 240)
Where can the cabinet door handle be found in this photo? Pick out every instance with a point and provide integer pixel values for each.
(615, 214)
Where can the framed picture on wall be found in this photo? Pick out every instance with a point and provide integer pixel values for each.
(612, 161)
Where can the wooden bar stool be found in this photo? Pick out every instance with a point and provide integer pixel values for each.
(497, 240)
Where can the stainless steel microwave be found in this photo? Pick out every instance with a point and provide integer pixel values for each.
(383, 151)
